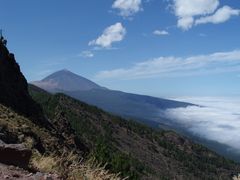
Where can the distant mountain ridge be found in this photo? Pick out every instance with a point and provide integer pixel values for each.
(64, 80)
(141, 107)
(146, 109)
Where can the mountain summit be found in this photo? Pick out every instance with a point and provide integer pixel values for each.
(144, 108)
(117, 102)
(64, 80)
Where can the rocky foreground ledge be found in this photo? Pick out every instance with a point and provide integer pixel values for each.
(14, 154)
(14, 157)
(12, 173)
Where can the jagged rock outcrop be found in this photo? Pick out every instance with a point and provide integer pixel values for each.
(14, 88)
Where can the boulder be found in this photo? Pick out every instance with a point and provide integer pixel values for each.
(14, 154)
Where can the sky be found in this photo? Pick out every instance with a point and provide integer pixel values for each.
(164, 48)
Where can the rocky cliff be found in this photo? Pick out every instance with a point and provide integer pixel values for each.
(14, 88)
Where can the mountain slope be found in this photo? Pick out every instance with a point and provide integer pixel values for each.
(65, 80)
(28, 139)
(134, 149)
(145, 108)
(55, 154)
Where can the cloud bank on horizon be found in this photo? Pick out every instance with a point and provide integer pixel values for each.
(218, 119)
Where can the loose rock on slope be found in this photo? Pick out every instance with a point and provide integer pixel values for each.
(14, 154)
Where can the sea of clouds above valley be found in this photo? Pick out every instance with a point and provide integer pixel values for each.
(216, 119)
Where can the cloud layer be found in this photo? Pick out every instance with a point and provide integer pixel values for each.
(195, 12)
(178, 66)
(111, 34)
(127, 7)
(217, 120)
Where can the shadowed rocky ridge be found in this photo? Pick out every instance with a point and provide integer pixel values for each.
(14, 88)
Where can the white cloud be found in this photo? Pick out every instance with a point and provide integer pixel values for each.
(195, 12)
(178, 66)
(111, 34)
(190, 8)
(186, 10)
(160, 32)
(127, 7)
(222, 14)
(218, 119)
(185, 23)
(86, 54)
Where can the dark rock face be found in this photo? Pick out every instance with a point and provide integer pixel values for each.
(14, 154)
(7, 137)
(14, 87)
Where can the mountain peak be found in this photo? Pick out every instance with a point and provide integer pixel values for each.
(64, 70)
(65, 80)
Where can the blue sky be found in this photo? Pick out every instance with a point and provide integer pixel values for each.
(160, 48)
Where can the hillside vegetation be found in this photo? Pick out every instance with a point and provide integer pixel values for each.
(29, 140)
(131, 148)
(51, 154)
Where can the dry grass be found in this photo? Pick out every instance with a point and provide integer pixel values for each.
(92, 170)
(44, 163)
(70, 167)
(236, 177)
